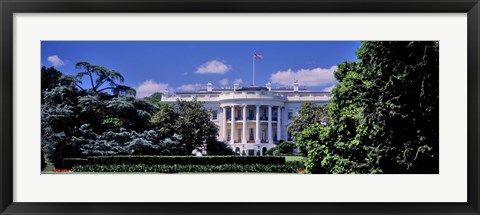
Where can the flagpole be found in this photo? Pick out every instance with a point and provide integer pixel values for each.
(253, 56)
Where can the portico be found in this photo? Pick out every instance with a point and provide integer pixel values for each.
(264, 128)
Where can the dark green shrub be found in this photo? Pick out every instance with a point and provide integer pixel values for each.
(276, 153)
(274, 168)
(68, 163)
(44, 164)
(271, 150)
(285, 147)
(184, 160)
(219, 148)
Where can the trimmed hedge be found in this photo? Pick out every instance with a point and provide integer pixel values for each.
(68, 163)
(296, 164)
(273, 168)
(183, 160)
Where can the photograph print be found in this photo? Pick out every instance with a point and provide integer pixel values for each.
(240, 107)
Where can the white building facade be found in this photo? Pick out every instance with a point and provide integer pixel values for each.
(252, 119)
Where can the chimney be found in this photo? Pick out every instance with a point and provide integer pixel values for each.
(295, 86)
(269, 86)
(235, 87)
(209, 87)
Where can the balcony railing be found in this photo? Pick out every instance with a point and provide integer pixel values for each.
(245, 95)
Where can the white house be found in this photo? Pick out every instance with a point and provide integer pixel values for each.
(252, 119)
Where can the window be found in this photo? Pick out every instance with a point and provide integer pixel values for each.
(251, 114)
(229, 114)
(290, 115)
(228, 134)
(250, 134)
(264, 134)
(239, 134)
(214, 115)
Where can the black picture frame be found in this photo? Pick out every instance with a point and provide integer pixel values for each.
(9, 7)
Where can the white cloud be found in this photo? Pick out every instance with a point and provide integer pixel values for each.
(238, 81)
(328, 89)
(149, 87)
(305, 77)
(190, 87)
(224, 82)
(213, 67)
(55, 60)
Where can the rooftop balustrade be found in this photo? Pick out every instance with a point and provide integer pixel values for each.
(289, 96)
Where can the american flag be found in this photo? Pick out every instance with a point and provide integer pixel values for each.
(257, 56)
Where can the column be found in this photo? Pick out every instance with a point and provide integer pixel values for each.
(257, 124)
(224, 124)
(270, 139)
(244, 128)
(232, 125)
(279, 123)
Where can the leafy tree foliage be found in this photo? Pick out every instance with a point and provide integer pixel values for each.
(125, 142)
(283, 148)
(194, 124)
(308, 114)
(99, 76)
(190, 120)
(383, 115)
(108, 120)
(78, 122)
(219, 148)
(155, 98)
(165, 119)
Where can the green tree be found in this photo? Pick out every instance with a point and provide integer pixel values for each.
(165, 119)
(191, 121)
(308, 114)
(154, 98)
(194, 125)
(383, 114)
(75, 120)
(99, 76)
(50, 78)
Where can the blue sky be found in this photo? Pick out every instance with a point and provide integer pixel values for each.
(151, 66)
